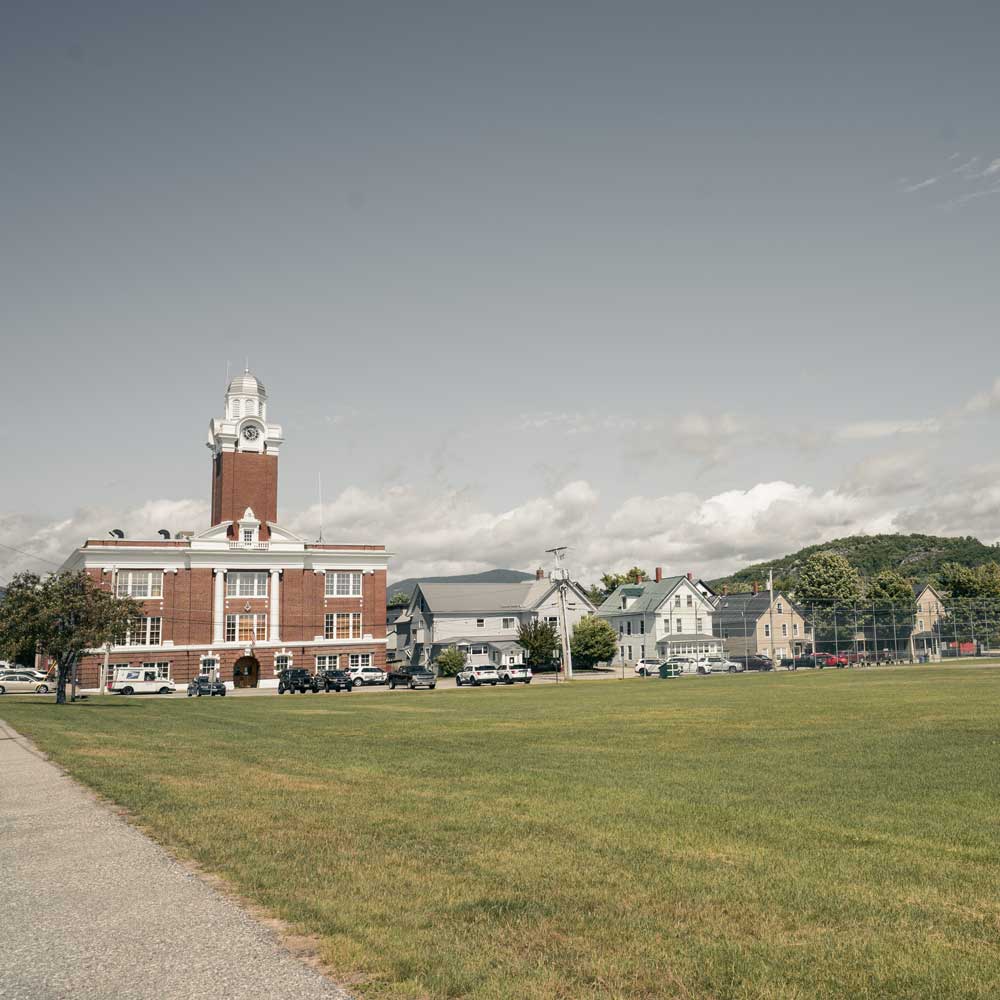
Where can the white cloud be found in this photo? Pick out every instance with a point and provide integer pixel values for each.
(870, 430)
(991, 169)
(920, 185)
(983, 401)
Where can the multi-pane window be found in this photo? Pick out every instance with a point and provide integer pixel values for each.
(360, 660)
(480, 623)
(553, 620)
(343, 584)
(779, 608)
(697, 624)
(507, 623)
(680, 624)
(622, 648)
(767, 630)
(342, 625)
(327, 662)
(628, 628)
(642, 626)
(162, 668)
(144, 632)
(139, 583)
(690, 601)
(795, 628)
(246, 584)
(784, 630)
(246, 628)
(677, 600)
(282, 662)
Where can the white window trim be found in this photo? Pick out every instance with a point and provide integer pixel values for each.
(152, 577)
(333, 579)
(235, 577)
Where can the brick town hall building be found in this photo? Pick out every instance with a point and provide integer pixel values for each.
(245, 596)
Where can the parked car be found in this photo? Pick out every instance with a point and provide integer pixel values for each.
(724, 665)
(37, 675)
(335, 680)
(297, 679)
(11, 683)
(477, 675)
(754, 661)
(140, 680)
(203, 684)
(514, 672)
(689, 664)
(368, 675)
(649, 667)
(412, 677)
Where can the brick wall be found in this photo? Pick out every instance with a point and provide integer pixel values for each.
(245, 479)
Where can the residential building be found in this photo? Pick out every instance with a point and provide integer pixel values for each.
(482, 619)
(925, 638)
(663, 617)
(244, 596)
(755, 622)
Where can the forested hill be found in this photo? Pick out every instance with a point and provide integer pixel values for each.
(918, 557)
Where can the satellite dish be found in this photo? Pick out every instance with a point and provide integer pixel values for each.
(116, 533)
(163, 533)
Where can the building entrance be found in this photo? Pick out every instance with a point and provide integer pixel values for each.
(246, 672)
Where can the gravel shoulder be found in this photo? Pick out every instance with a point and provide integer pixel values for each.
(95, 909)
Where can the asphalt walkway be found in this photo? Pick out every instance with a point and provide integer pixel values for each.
(91, 908)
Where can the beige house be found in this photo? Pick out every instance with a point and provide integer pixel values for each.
(753, 622)
(926, 636)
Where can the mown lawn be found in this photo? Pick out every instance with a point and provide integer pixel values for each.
(832, 834)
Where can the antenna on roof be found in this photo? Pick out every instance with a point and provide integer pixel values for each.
(227, 374)
(319, 477)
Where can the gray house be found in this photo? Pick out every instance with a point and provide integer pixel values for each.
(482, 619)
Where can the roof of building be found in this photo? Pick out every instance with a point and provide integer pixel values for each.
(451, 598)
(733, 609)
(687, 637)
(648, 596)
(246, 384)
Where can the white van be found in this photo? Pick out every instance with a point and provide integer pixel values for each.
(140, 680)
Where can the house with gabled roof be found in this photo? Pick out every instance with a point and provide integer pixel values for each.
(925, 639)
(662, 617)
(482, 619)
(760, 622)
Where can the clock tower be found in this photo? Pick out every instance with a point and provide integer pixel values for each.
(244, 450)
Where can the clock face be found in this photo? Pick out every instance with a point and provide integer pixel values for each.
(250, 433)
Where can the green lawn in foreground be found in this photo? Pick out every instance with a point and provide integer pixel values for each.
(828, 834)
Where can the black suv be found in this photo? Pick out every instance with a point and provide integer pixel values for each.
(334, 680)
(203, 684)
(297, 679)
(755, 661)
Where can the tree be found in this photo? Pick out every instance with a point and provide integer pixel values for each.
(399, 600)
(540, 641)
(594, 641)
(612, 581)
(889, 589)
(829, 579)
(449, 662)
(64, 615)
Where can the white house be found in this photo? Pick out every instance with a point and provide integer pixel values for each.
(664, 617)
(482, 619)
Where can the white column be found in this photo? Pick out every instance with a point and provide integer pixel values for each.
(219, 606)
(274, 622)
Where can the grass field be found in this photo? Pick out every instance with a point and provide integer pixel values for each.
(831, 834)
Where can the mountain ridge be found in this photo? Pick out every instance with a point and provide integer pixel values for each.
(918, 557)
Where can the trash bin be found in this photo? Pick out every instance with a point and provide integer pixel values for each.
(668, 670)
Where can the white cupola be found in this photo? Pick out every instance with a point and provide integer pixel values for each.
(244, 425)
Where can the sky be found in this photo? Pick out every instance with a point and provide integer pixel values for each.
(678, 284)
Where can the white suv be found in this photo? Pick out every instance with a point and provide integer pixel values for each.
(724, 664)
(475, 676)
(367, 675)
(648, 668)
(515, 672)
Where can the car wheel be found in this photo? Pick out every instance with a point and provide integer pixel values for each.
(42, 689)
(413, 686)
(527, 680)
(3, 690)
(164, 690)
(222, 693)
(127, 690)
(392, 685)
(190, 693)
(458, 682)
(493, 684)
(432, 686)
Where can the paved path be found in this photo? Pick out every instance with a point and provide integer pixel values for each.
(91, 908)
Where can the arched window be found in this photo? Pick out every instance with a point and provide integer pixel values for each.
(236, 407)
(251, 407)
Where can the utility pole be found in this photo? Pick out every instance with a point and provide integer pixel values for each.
(560, 575)
(770, 609)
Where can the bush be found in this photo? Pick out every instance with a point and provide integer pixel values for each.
(449, 662)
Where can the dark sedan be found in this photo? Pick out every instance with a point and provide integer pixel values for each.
(203, 685)
(335, 680)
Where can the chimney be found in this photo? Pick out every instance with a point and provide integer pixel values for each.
(539, 574)
(725, 590)
(659, 574)
(753, 588)
(690, 576)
